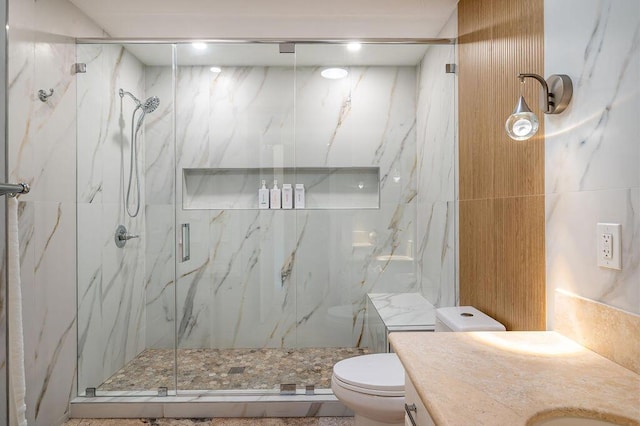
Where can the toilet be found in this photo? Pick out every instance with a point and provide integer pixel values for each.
(372, 386)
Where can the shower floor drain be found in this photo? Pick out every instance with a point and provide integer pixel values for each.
(236, 370)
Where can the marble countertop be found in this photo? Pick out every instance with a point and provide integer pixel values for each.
(510, 378)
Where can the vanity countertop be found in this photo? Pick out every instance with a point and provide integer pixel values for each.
(510, 378)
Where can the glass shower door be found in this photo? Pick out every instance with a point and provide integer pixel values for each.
(236, 300)
(125, 219)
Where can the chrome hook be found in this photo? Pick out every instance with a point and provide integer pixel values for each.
(44, 95)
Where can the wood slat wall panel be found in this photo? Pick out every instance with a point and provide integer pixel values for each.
(520, 262)
(502, 269)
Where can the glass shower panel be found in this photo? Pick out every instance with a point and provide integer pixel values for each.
(236, 300)
(384, 115)
(125, 202)
(4, 412)
(364, 121)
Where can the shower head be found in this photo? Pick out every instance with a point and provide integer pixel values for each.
(150, 104)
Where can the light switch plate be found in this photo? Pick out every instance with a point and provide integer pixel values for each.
(609, 245)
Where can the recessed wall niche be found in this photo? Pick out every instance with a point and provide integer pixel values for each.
(237, 188)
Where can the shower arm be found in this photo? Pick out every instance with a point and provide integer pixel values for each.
(136, 100)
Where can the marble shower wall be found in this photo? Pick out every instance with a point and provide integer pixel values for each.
(436, 145)
(284, 278)
(41, 151)
(111, 291)
(592, 150)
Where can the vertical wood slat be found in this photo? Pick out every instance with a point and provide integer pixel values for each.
(502, 259)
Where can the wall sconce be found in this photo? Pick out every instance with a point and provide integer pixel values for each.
(522, 124)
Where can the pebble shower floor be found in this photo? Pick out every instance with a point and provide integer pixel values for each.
(226, 369)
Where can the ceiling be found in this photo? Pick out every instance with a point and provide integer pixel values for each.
(284, 19)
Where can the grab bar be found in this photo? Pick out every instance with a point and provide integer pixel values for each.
(13, 189)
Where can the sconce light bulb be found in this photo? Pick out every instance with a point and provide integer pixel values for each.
(522, 124)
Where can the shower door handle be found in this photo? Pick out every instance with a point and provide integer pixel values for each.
(185, 242)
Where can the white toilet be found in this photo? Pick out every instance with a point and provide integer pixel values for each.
(372, 386)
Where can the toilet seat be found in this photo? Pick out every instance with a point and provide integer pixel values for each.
(374, 374)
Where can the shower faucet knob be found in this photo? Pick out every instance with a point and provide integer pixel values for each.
(127, 236)
(122, 236)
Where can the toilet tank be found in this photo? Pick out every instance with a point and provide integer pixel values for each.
(465, 318)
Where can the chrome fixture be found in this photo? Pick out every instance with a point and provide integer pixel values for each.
(79, 68)
(287, 388)
(12, 190)
(185, 241)
(522, 124)
(450, 68)
(287, 48)
(122, 236)
(43, 96)
(148, 106)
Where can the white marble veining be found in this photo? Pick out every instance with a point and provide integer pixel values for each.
(404, 311)
(592, 151)
(41, 151)
(41, 138)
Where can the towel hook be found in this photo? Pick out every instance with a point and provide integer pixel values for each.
(44, 95)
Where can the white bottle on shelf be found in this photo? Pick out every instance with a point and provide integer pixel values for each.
(287, 196)
(276, 196)
(299, 196)
(263, 196)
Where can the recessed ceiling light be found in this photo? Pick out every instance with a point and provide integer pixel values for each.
(198, 45)
(334, 73)
(354, 47)
(215, 70)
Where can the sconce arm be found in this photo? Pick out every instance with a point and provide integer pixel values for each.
(543, 82)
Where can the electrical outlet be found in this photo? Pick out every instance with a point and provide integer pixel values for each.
(609, 245)
(606, 246)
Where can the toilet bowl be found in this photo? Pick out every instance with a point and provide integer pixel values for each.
(372, 386)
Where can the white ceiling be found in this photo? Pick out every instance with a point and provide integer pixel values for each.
(286, 19)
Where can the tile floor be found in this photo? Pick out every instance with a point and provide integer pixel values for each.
(300, 421)
(214, 369)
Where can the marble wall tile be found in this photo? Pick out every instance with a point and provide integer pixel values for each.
(160, 275)
(593, 144)
(592, 153)
(572, 242)
(262, 278)
(160, 158)
(41, 147)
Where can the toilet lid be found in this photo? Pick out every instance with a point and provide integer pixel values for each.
(374, 372)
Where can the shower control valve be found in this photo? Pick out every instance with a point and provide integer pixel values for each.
(122, 236)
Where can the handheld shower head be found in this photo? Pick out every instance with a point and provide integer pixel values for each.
(150, 104)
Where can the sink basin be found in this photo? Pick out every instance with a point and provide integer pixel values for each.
(568, 420)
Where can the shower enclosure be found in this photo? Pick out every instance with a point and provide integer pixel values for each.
(202, 290)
